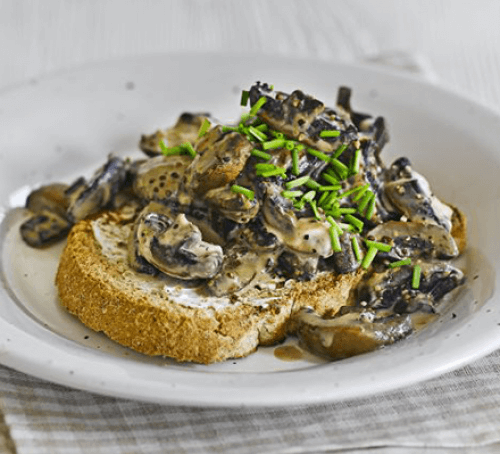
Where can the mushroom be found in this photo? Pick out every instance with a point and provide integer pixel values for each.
(100, 191)
(415, 239)
(174, 246)
(348, 334)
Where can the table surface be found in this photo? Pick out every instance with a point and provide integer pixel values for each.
(452, 43)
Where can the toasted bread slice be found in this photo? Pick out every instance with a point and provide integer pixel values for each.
(172, 318)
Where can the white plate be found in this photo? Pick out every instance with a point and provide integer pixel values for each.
(64, 126)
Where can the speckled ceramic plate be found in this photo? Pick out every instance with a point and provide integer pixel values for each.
(63, 126)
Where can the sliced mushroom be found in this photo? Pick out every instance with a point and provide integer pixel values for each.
(159, 178)
(345, 260)
(410, 194)
(351, 334)
(185, 130)
(175, 247)
(415, 239)
(100, 191)
(234, 206)
(44, 228)
(392, 288)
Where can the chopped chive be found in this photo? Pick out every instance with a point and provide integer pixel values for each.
(314, 207)
(291, 194)
(356, 249)
(259, 135)
(263, 166)
(340, 167)
(358, 224)
(290, 145)
(340, 150)
(329, 201)
(262, 127)
(255, 108)
(368, 258)
(383, 247)
(189, 148)
(333, 187)
(299, 204)
(323, 197)
(365, 200)
(350, 192)
(415, 279)
(308, 196)
(248, 193)
(244, 97)
(371, 208)
(356, 162)
(334, 238)
(329, 133)
(347, 210)
(276, 143)
(361, 192)
(204, 128)
(347, 227)
(399, 263)
(277, 134)
(334, 224)
(295, 162)
(297, 182)
(318, 154)
(261, 154)
(331, 179)
(311, 184)
(274, 172)
(229, 128)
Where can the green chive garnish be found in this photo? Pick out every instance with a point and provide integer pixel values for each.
(334, 224)
(347, 210)
(371, 208)
(274, 172)
(244, 97)
(355, 222)
(291, 194)
(229, 128)
(248, 193)
(318, 154)
(276, 143)
(329, 133)
(334, 238)
(350, 192)
(356, 249)
(339, 151)
(365, 200)
(314, 207)
(290, 145)
(259, 135)
(262, 127)
(383, 247)
(415, 280)
(368, 258)
(333, 187)
(331, 179)
(297, 182)
(356, 162)
(322, 198)
(260, 154)
(308, 196)
(340, 167)
(189, 149)
(361, 192)
(400, 263)
(255, 108)
(204, 128)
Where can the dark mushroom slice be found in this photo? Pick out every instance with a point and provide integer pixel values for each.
(175, 247)
(415, 239)
(302, 117)
(410, 194)
(350, 334)
(392, 288)
(220, 158)
(345, 260)
(52, 197)
(100, 191)
(44, 228)
(234, 206)
(185, 130)
(158, 179)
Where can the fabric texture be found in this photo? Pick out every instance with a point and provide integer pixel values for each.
(458, 410)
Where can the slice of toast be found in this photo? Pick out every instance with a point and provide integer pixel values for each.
(172, 318)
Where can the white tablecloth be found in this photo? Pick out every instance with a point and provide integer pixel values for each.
(452, 43)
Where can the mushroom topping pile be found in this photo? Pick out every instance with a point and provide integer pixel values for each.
(293, 190)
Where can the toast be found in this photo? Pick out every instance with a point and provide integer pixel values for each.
(160, 315)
